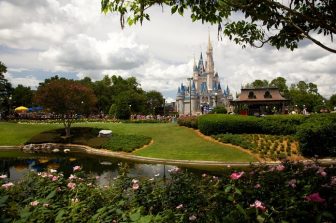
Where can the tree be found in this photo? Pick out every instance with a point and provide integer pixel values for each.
(280, 83)
(66, 98)
(332, 101)
(306, 96)
(5, 92)
(154, 102)
(259, 84)
(22, 96)
(278, 23)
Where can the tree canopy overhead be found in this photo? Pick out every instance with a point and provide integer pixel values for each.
(278, 23)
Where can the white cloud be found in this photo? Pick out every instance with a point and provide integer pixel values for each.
(28, 81)
(74, 36)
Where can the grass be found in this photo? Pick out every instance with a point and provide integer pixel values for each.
(170, 140)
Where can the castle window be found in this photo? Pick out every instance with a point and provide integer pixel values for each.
(251, 95)
(267, 95)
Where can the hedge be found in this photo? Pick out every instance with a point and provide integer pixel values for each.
(214, 124)
(317, 138)
(316, 133)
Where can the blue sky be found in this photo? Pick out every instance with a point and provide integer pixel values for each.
(42, 38)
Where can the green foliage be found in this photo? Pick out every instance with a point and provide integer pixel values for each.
(126, 143)
(279, 193)
(188, 121)
(280, 124)
(219, 110)
(239, 140)
(318, 138)
(89, 136)
(122, 110)
(5, 92)
(263, 21)
(217, 123)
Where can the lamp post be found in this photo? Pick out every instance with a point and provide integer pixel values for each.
(164, 107)
(216, 99)
(189, 79)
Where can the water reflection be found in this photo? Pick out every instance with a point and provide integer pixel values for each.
(104, 167)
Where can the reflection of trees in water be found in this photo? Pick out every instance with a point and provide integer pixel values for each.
(105, 167)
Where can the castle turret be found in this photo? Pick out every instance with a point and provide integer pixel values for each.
(210, 65)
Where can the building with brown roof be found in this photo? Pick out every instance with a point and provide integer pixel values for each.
(259, 101)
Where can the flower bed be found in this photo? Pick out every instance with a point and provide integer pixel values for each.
(289, 192)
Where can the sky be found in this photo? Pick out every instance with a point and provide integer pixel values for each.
(73, 39)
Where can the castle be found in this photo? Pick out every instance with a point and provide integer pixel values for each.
(203, 91)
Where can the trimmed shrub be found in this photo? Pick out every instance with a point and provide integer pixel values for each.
(239, 140)
(317, 138)
(191, 122)
(281, 124)
(219, 110)
(216, 123)
(126, 143)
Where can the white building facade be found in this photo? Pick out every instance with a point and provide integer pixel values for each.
(203, 91)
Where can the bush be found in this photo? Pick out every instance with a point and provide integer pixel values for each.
(126, 143)
(281, 124)
(317, 138)
(239, 140)
(188, 121)
(214, 124)
(219, 110)
(285, 193)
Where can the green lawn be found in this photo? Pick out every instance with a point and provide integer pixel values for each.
(170, 140)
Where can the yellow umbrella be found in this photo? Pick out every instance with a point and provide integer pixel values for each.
(21, 109)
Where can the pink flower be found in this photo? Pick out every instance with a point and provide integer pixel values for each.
(54, 178)
(292, 183)
(3, 176)
(204, 175)
(258, 205)
(179, 206)
(7, 185)
(77, 168)
(135, 186)
(34, 203)
(46, 205)
(236, 176)
(321, 171)
(315, 197)
(71, 185)
(280, 167)
(192, 218)
(72, 177)
(134, 181)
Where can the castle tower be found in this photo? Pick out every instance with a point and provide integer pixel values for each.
(210, 65)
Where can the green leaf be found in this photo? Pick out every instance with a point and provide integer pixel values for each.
(146, 219)
(173, 9)
(51, 195)
(3, 200)
(135, 216)
(227, 189)
(130, 21)
(60, 216)
(180, 11)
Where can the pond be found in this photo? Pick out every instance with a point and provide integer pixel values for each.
(16, 164)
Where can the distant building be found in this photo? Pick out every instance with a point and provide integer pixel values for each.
(203, 90)
(259, 101)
